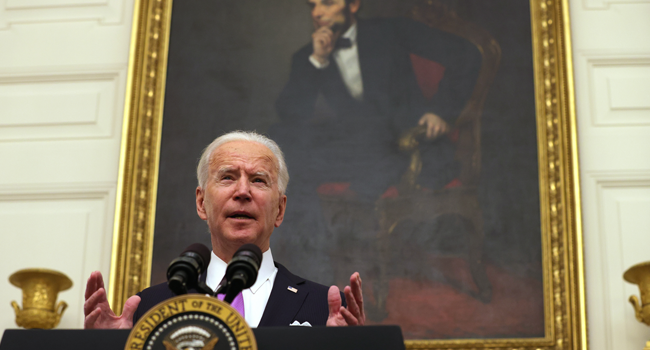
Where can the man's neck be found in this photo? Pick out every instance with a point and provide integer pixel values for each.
(226, 253)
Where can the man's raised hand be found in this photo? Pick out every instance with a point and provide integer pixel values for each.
(354, 314)
(98, 314)
(323, 41)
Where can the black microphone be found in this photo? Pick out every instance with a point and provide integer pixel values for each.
(241, 272)
(183, 272)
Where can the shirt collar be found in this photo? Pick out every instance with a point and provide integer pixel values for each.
(217, 270)
(266, 270)
(351, 34)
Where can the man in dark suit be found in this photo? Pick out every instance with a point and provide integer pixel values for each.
(242, 180)
(352, 91)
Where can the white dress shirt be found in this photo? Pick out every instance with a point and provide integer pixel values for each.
(347, 59)
(256, 297)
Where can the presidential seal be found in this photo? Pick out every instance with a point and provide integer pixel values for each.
(191, 322)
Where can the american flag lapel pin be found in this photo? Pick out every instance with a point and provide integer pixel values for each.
(290, 288)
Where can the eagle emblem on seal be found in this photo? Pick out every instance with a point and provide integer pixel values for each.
(190, 338)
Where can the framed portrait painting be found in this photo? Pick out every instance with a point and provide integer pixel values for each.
(430, 148)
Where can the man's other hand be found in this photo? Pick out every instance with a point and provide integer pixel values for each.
(353, 315)
(436, 126)
(323, 41)
(97, 311)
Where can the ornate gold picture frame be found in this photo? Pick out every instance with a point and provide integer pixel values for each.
(564, 304)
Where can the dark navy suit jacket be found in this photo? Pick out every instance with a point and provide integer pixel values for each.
(308, 304)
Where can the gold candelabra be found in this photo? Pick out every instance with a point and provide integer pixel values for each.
(40, 289)
(640, 274)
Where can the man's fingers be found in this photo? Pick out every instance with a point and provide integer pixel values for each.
(431, 128)
(334, 300)
(352, 315)
(349, 317)
(325, 30)
(130, 306)
(435, 125)
(96, 309)
(436, 130)
(355, 283)
(91, 318)
(353, 307)
(323, 40)
(95, 281)
(354, 298)
(94, 301)
(323, 35)
(327, 41)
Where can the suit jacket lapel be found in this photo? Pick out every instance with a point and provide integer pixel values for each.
(284, 304)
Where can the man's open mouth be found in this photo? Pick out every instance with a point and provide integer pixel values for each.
(240, 216)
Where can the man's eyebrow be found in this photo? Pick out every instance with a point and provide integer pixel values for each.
(262, 173)
(225, 169)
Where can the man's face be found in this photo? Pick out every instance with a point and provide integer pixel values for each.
(241, 202)
(333, 13)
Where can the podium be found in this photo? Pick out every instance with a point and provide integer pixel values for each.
(268, 338)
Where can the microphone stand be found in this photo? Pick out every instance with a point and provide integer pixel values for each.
(232, 287)
(201, 287)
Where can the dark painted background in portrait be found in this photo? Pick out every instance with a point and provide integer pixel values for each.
(228, 62)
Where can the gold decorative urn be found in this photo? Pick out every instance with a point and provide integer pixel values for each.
(40, 289)
(640, 274)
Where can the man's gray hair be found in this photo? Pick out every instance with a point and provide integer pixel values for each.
(203, 169)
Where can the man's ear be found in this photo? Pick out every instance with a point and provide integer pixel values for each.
(200, 203)
(282, 207)
(354, 6)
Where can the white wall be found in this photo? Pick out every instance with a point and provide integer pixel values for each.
(611, 41)
(63, 66)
